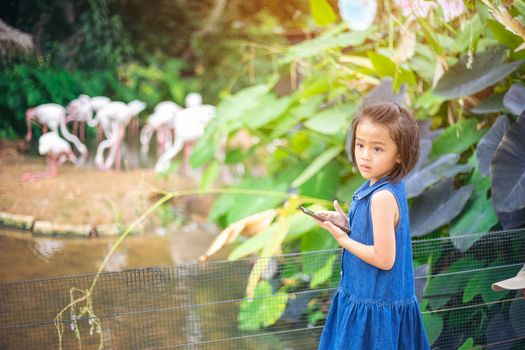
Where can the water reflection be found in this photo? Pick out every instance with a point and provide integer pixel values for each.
(46, 248)
(25, 257)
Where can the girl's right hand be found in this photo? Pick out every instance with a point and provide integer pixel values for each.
(337, 216)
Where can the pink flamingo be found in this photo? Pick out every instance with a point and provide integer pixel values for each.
(114, 118)
(80, 111)
(53, 116)
(57, 151)
(189, 125)
(160, 122)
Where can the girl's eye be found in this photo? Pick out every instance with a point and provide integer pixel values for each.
(360, 145)
(377, 149)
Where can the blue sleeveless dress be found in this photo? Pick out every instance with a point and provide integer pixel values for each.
(374, 308)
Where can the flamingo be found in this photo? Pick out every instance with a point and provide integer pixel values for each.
(57, 151)
(81, 109)
(189, 125)
(53, 116)
(161, 122)
(114, 117)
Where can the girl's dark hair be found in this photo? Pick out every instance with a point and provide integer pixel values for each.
(403, 130)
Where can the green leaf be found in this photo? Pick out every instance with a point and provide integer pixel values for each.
(205, 149)
(478, 217)
(472, 30)
(331, 121)
(467, 345)
(347, 189)
(322, 184)
(235, 106)
(440, 288)
(487, 69)
(253, 244)
(430, 36)
(263, 310)
(324, 43)
(234, 207)
(471, 289)
(299, 225)
(457, 138)
(324, 273)
(318, 239)
(495, 272)
(316, 165)
(210, 175)
(322, 12)
(520, 6)
(385, 67)
(433, 325)
(505, 37)
(268, 109)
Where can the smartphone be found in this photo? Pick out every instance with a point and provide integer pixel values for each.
(318, 217)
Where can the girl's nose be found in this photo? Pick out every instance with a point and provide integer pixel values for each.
(365, 154)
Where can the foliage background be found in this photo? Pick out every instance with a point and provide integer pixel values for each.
(291, 74)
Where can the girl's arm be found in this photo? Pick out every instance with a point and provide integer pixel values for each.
(385, 214)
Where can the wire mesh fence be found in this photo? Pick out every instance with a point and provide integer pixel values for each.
(206, 306)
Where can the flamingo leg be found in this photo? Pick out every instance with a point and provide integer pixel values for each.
(83, 132)
(52, 170)
(188, 146)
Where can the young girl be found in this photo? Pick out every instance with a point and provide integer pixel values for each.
(375, 306)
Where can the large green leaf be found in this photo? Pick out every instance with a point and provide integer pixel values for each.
(235, 106)
(508, 169)
(324, 273)
(437, 206)
(492, 104)
(233, 207)
(263, 310)
(471, 31)
(487, 69)
(441, 287)
(514, 99)
(299, 225)
(422, 177)
(479, 217)
(297, 113)
(496, 271)
(322, 184)
(506, 38)
(489, 143)
(322, 12)
(457, 138)
(317, 239)
(268, 108)
(253, 244)
(321, 44)
(331, 121)
(385, 67)
(316, 165)
(206, 148)
(433, 326)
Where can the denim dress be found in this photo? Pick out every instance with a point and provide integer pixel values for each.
(374, 308)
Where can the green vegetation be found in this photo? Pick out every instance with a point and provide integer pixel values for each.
(461, 77)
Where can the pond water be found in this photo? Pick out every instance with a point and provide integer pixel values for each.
(185, 307)
(26, 257)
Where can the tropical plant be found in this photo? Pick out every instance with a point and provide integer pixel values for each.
(456, 94)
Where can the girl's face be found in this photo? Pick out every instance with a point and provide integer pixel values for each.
(376, 153)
